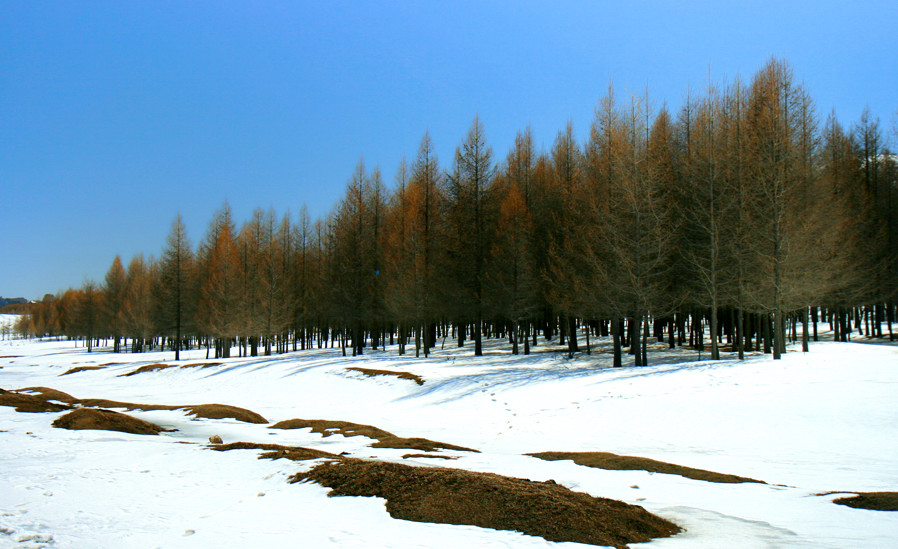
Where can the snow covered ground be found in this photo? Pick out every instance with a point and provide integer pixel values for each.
(811, 423)
(7, 322)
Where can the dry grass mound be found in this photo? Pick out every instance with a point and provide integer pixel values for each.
(276, 451)
(51, 394)
(81, 369)
(400, 375)
(30, 403)
(614, 462)
(106, 420)
(103, 403)
(147, 368)
(221, 411)
(201, 365)
(874, 501)
(453, 496)
(384, 439)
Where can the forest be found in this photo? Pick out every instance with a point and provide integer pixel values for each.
(733, 225)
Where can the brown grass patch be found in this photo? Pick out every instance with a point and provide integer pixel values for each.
(874, 501)
(431, 456)
(37, 399)
(30, 403)
(147, 368)
(614, 462)
(81, 369)
(221, 411)
(276, 451)
(51, 394)
(454, 496)
(106, 420)
(201, 365)
(400, 375)
(384, 439)
(11, 356)
(103, 403)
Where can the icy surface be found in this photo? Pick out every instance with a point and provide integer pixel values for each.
(810, 423)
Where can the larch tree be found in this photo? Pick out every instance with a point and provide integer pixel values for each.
(780, 126)
(399, 255)
(603, 273)
(176, 297)
(426, 222)
(89, 312)
(470, 210)
(138, 304)
(512, 277)
(114, 287)
(707, 206)
(569, 232)
(219, 284)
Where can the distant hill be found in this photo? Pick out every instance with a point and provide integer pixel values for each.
(4, 301)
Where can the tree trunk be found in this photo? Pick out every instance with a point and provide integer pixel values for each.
(645, 341)
(616, 336)
(671, 337)
(636, 340)
(740, 334)
(572, 336)
(805, 336)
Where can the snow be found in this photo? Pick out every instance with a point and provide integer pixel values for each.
(813, 422)
(7, 321)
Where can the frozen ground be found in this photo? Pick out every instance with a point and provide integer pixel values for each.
(811, 423)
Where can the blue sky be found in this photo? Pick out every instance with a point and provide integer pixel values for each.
(116, 116)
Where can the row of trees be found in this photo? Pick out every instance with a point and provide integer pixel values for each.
(738, 215)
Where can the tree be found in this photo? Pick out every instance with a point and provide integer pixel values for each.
(469, 213)
(219, 283)
(426, 234)
(88, 312)
(114, 288)
(707, 205)
(782, 141)
(512, 277)
(567, 236)
(138, 304)
(176, 299)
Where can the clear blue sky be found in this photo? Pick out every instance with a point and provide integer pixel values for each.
(115, 116)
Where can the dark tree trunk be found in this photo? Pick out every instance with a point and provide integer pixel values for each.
(572, 336)
(636, 340)
(740, 332)
(616, 337)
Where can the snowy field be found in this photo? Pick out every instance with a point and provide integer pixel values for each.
(811, 423)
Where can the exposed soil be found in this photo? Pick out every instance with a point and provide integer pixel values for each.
(874, 501)
(454, 496)
(276, 451)
(400, 375)
(106, 420)
(11, 356)
(81, 369)
(614, 462)
(147, 368)
(221, 411)
(384, 439)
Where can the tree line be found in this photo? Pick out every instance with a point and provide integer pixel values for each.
(734, 220)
